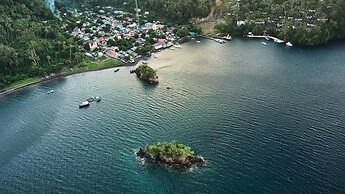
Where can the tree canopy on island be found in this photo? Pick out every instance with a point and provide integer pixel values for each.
(146, 72)
(168, 149)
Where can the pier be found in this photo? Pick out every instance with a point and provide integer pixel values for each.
(266, 37)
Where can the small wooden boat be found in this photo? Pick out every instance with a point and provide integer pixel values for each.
(91, 99)
(116, 70)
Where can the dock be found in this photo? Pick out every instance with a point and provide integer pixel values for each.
(267, 37)
(218, 40)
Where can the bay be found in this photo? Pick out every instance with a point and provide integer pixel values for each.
(269, 119)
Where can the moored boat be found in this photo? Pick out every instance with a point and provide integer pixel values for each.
(228, 37)
(264, 43)
(51, 91)
(98, 99)
(84, 104)
(289, 44)
(177, 46)
(116, 70)
(91, 99)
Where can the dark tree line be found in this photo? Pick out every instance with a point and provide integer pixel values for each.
(302, 22)
(32, 42)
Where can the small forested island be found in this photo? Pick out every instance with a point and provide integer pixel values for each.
(146, 73)
(171, 153)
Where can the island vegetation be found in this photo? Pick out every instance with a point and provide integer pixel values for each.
(146, 73)
(171, 153)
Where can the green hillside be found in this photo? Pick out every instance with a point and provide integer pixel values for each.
(32, 43)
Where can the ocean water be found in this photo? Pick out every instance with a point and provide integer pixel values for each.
(269, 119)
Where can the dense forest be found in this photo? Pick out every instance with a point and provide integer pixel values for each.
(302, 22)
(177, 11)
(32, 43)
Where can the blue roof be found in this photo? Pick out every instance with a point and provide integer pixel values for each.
(120, 27)
(192, 33)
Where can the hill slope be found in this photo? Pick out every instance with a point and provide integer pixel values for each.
(31, 41)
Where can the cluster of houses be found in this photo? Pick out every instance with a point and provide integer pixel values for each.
(101, 28)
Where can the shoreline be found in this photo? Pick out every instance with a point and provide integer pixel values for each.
(8, 91)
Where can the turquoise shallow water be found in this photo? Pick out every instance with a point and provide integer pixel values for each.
(269, 119)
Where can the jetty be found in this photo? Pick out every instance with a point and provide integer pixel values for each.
(266, 37)
(277, 40)
(218, 40)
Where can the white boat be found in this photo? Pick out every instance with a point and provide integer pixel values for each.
(98, 99)
(84, 104)
(220, 41)
(198, 41)
(228, 37)
(264, 43)
(266, 37)
(289, 44)
(278, 41)
(172, 48)
(51, 91)
(177, 46)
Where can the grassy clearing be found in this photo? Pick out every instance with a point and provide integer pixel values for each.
(93, 65)
(23, 82)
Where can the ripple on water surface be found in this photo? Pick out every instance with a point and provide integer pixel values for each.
(268, 120)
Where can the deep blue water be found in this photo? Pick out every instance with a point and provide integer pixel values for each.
(269, 119)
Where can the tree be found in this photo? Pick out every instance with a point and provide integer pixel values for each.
(182, 32)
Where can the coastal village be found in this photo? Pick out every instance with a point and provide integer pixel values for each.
(112, 33)
(108, 32)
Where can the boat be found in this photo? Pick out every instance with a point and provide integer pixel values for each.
(51, 91)
(278, 41)
(266, 37)
(219, 40)
(198, 41)
(172, 48)
(98, 99)
(228, 37)
(144, 62)
(177, 46)
(264, 43)
(116, 70)
(91, 99)
(289, 44)
(84, 104)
